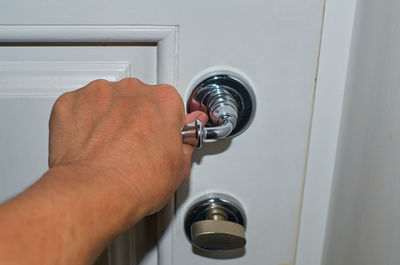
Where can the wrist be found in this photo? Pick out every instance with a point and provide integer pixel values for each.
(68, 216)
(100, 195)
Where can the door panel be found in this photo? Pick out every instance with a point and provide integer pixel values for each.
(23, 140)
(274, 44)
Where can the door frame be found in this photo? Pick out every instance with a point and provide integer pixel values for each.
(330, 86)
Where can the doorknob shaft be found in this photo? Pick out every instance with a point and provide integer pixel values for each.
(195, 133)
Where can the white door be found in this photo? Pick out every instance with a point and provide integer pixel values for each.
(48, 47)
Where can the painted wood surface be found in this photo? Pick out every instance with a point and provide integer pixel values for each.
(275, 44)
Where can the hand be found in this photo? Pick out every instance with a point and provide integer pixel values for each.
(128, 130)
(116, 155)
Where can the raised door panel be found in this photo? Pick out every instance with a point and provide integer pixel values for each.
(31, 78)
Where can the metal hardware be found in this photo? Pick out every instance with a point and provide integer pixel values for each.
(193, 133)
(229, 103)
(216, 222)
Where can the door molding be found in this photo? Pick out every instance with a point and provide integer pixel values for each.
(21, 77)
(325, 124)
(166, 40)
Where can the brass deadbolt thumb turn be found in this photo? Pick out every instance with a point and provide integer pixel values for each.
(215, 223)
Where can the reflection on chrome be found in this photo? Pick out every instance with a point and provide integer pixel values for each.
(229, 103)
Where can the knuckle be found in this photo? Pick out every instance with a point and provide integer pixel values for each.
(168, 93)
(99, 87)
(130, 81)
(167, 89)
(130, 85)
(61, 107)
(63, 101)
(98, 83)
(169, 100)
(133, 80)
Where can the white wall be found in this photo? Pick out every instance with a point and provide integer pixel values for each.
(364, 218)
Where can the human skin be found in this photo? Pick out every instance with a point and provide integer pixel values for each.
(115, 156)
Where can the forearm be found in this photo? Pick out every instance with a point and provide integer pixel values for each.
(67, 217)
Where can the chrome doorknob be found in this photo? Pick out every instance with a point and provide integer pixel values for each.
(229, 102)
(216, 222)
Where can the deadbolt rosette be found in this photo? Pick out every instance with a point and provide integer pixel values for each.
(233, 96)
(217, 221)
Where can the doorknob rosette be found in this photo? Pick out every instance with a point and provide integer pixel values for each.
(229, 102)
(216, 222)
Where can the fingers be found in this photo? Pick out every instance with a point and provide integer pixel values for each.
(187, 148)
(191, 117)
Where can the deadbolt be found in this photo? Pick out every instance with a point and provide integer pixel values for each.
(229, 102)
(216, 222)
